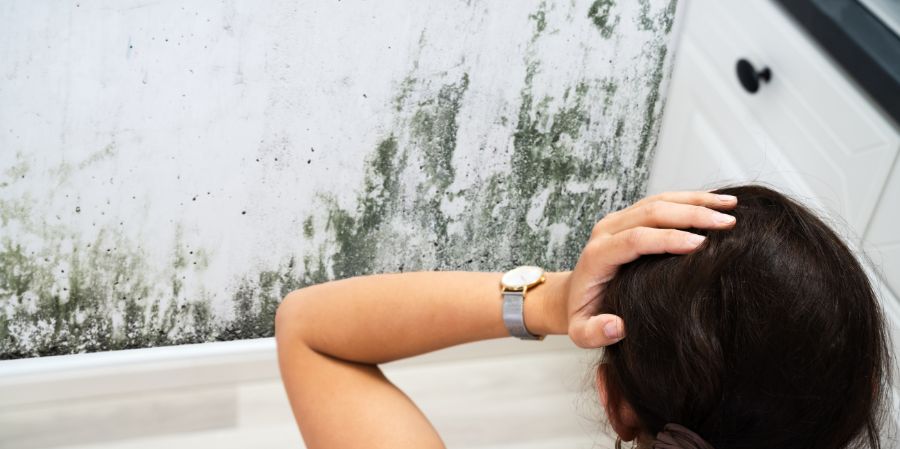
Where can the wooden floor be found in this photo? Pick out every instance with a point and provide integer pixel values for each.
(534, 400)
(500, 394)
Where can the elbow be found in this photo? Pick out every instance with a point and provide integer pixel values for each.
(287, 318)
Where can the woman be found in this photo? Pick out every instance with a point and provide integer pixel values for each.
(752, 329)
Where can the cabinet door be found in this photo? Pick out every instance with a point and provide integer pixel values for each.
(892, 317)
(882, 240)
(891, 308)
(708, 137)
(808, 132)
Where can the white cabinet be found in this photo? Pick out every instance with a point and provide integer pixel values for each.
(810, 131)
(882, 240)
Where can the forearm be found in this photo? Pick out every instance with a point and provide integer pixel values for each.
(331, 336)
(379, 318)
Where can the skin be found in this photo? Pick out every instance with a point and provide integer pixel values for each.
(332, 336)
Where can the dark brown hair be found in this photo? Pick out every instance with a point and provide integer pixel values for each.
(769, 335)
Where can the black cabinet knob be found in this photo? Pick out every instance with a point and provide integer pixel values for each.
(750, 78)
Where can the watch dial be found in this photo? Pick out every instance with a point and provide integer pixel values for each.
(521, 276)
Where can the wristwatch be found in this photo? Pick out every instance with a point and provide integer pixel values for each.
(514, 284)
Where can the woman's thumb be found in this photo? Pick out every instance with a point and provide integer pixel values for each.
(597, 331)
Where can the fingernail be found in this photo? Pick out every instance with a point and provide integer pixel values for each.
(696, 239)
(611, 330)
(723, 218)
(726, 198)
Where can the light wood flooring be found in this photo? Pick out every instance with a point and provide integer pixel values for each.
(541, 399)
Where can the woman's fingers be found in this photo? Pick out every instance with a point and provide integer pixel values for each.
(697, 198)
(599, 261)
(663, 214)
(628, 245)
(650, 226)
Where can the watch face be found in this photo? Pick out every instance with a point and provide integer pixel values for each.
(521, 277)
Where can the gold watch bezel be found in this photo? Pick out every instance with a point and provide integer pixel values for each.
(524, 288)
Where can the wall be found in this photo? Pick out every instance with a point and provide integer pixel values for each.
(169, 171)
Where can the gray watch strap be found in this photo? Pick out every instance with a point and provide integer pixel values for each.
(514, 316)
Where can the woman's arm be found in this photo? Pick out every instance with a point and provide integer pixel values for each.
(385, 317)
(331, 336)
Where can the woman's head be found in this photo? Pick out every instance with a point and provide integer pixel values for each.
(769, 335)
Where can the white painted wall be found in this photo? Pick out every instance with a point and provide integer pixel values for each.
(182, 145)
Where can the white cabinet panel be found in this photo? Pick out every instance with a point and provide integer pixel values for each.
(882, 241)
(708, 138)
(809, 131)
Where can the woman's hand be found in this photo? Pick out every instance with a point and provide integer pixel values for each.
(625, 235)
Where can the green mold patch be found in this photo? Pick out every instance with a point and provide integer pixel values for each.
(600, 14)
(544, 163)
(308, 230)
(72, 296)
(609, 87)
(644, 21)
(406, 87)
(667, 17)
(510, 217)
(61, 302)
(255, 301)
(539, 17)
(64, 170)
(663, 20)
(540, 20)
(17, 207)
(653, 103)
(102, 296)
(433, 130)
(356, 233)
(16, 171)
(649, 127)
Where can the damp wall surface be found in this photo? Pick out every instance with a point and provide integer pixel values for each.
(169, 170)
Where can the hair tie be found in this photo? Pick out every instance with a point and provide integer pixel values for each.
(674, 436)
